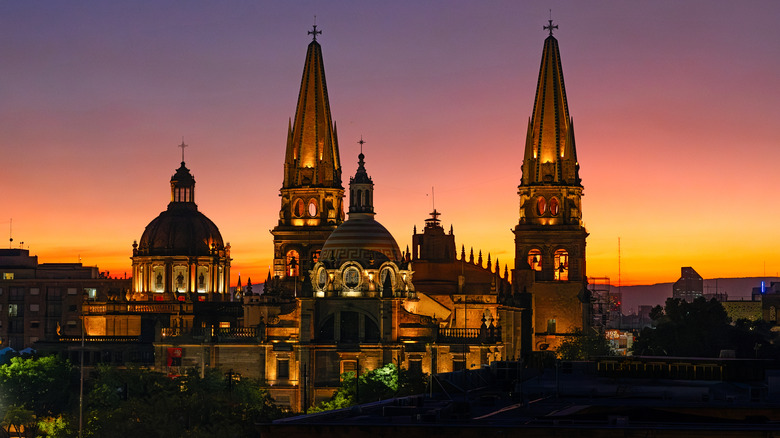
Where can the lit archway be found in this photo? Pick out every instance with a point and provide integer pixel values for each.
(561, 264)
(535, 259)
(293, 262)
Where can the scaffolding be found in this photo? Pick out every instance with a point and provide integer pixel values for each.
(605, 304)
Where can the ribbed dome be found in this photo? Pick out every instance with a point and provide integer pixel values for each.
(180, 231)
(361, 240)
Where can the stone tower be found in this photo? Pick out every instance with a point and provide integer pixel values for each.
(550, 236)
(311, 193)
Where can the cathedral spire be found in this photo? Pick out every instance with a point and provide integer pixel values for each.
(550, 154)
(312, 157)
(312, 193)
(361, 189)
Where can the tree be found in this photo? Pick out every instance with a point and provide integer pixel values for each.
(584, 345)
(701, 329)
(139, 402)
(46, 385)
(382, 383)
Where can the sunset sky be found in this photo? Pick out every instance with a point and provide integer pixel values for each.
(676, 108)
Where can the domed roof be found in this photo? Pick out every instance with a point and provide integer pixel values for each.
(362, 240)
(180, 231)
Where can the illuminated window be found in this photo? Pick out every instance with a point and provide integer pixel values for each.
(91, 293)
(13, 310)
(315, 256)
(551, 326)
(298, 208)
(535, 259)
(561, 265)
(554, 206)
(541, 205)
(313, 207)
(772, 313)
(293, 263)
(224, 324)
(8, 275)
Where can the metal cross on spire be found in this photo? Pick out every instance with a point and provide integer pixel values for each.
(550, 27)
(314, 32)
(182, 146)
(361, 143)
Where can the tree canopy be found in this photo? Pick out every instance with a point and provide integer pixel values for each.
(382, 383)
(584, 345)
(701, 329)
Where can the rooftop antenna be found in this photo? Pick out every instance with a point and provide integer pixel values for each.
(182, 146)
(10, 233)
(619, 279)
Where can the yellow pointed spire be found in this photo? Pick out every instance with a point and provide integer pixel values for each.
(550, 155)
(312, 147)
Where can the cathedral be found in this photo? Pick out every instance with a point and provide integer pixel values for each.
(341, 295)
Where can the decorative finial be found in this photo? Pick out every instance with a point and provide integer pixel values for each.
(182, 146)
(314, 32)
(361, 143)
(550, 26)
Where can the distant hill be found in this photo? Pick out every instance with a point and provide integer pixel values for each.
(655, 294)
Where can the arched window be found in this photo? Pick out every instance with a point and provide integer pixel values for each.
(561, 264)
(293, 263)
(359, 198)
(313, 210)
(535, 259)
(541, 205)
(554, 206)
(298, 208)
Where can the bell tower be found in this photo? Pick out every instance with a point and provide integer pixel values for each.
(311, 193)
(550, 236)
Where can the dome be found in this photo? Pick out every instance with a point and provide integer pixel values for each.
(361, 240)
(180, 231)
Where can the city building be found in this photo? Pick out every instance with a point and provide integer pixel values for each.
(41, 301)
(690, 285)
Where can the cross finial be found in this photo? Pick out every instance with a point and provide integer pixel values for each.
(361, 143)
(314, 32)
(182, 146)
(550, 26)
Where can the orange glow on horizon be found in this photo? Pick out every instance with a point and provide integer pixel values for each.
(667, 154)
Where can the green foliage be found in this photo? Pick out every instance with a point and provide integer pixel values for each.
(701, 329)
(45, 385)
(139, 402)
(584, 345)
(382, 383)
